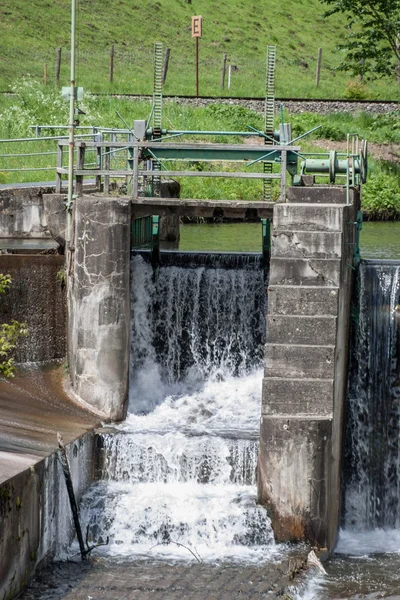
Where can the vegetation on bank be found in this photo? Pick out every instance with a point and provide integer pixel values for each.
(9, 335)
(33, 30)
(35, 105)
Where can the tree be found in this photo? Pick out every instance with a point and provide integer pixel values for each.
(9, 335)
(372, 43)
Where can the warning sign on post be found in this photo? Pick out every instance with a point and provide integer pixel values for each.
(197, 26)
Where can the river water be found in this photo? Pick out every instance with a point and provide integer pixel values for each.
(179, 475)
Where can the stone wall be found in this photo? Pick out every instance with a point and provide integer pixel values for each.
(37, 298)
(306, 364)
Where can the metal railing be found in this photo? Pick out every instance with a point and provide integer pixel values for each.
(141, 156)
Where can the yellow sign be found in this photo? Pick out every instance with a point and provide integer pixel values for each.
(197, 26)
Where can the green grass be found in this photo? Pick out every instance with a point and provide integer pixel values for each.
(31, 32)
(32, 105)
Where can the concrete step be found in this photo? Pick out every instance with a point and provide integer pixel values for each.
(302, 300)
(297, 361)
(303, 244)
(311, 330)
(319, 194)
(308, 217)
(297, 396)
(306, 271)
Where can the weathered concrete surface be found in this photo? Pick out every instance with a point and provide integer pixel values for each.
(56, 216)
(37, 297)
(295, 300)
(229, 209)
(306, 365)
(22, 213)
(318, 194)
(297, 468)
(139, 580)
(35, 517)
(305, 271)
(99, 303)
(170, 224)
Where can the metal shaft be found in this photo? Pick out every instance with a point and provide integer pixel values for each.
(71, 124)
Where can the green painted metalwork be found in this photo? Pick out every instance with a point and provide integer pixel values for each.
(218, 153)
(142, 232)
(269, 116)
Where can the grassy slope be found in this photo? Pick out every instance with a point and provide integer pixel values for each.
(32, 30)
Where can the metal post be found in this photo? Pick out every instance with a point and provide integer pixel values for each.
(223, 71)
(112, 64)
(80, 164)
(197, 67)
(319, 61)
(229, 76)
(135, 174)
(166, 63)
(59, 166)
(283, 175)
(71, 125)
(58, 65)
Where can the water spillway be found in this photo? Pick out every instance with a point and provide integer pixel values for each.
(372, 448)
(179, 476)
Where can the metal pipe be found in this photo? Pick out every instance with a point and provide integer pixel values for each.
(194, 132)
(43, 139)
(71, 125)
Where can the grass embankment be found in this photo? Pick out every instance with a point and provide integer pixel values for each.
(381, 195)
(33, 29)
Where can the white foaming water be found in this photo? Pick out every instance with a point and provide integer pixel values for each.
(180, 474)
(230, 404)
(374, 541)
(372, 472)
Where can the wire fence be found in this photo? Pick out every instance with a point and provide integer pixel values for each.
(131, 70)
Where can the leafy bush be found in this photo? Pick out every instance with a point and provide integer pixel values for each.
(9, 335)
(355, 91)
(381, 196)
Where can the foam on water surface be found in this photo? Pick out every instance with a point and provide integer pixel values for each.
(180, 475)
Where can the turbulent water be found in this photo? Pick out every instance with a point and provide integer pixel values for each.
(372, 475)
(366, 563)
(179, 477)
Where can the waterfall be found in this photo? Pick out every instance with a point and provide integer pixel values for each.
(178, 480)
(372, 448)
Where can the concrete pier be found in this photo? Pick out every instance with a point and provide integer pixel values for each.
(306, 364)
(99, 303)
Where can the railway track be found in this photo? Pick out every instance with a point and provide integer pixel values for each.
(293, 105)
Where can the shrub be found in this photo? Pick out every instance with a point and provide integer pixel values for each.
(355, 91)
(381, 196)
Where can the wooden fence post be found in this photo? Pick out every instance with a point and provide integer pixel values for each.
(165, 67)
(58, 65)
(319, 61)
(112, 64)
(223, 71)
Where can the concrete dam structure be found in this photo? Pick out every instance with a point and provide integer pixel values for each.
(195, 354)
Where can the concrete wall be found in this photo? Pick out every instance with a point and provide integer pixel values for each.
(37, 298)
(306, 365)
(99, 303)
(22, 213)
(35, 516)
